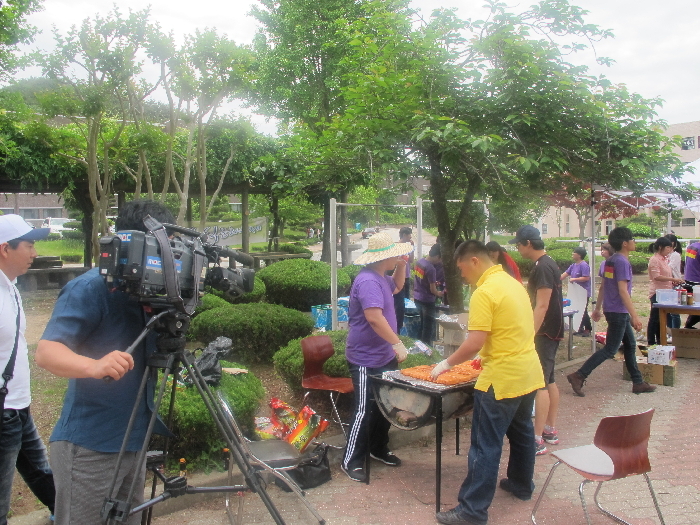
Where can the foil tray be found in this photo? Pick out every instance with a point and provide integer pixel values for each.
(394, 375)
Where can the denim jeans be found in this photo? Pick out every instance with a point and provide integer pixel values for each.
(491, 420)
(369, 429)
(21, 447)
(427, 321)
(400, 306)
(619, 331)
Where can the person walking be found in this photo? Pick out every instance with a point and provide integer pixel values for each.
(544, 289)
(501, 332)
(580, 273)
(21, 448)
(405, 236)
(660, 278)
(425, 292)
(615, 300)
(372, 348)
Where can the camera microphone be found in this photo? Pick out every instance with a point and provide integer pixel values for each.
(243, 258)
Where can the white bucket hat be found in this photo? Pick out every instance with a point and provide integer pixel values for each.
(15, 227)
(380, 247)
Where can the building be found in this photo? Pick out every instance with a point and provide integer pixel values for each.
(33, 207)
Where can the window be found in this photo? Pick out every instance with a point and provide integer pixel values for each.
(567, 227)
(608, 227)
(688, 143)
(675, 223)
(688, 222)
(544, 229)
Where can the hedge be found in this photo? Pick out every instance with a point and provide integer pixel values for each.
(197, 437)
(257, 330)
(256, 296)
(72, 258)
(289, 360)
(73, 234)
(209, 302)
(562, 256)
(301, 283)
(351, 271)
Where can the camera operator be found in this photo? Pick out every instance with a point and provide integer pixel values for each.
(90, 327)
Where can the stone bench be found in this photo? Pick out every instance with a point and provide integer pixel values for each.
(40, 279)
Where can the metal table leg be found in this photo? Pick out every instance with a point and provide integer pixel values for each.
(457, 436)
(438, 453)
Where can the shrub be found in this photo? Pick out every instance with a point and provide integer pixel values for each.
(74, 224)
(256, 296)
(54, 237)
(639, 261)
(197, 436)
(351, 271)
(289, 360)
(209, 302)
(73, 234)
(72, 258)
(301, 283)
(294, 248)
(257, 330)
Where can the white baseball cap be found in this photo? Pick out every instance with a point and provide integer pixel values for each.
(15, 227)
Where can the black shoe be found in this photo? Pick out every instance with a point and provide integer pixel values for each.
(355, 474)
(509, 486)
(388, 458)
(453, 517)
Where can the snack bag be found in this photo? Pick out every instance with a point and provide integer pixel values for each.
(284, 418)
(264, 428)
(309, 425)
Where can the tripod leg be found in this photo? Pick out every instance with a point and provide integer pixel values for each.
(233, 440)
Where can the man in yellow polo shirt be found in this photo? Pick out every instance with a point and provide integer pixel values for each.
(501, 332)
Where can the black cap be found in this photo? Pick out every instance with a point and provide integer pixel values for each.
(526, 233)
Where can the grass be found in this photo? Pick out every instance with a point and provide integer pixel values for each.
(60, 247)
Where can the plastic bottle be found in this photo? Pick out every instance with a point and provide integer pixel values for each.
(684, 297)
(691, 299)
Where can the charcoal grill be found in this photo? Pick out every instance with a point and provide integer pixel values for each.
(409, 403)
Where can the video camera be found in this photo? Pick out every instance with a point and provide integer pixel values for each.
(164, 266)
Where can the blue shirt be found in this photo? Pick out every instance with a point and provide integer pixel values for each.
(364, 346)
(93, 321)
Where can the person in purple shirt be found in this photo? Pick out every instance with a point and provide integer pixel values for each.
(580, 273)
(372, 348)
(692, 275)
(615, 298)
(425, 292)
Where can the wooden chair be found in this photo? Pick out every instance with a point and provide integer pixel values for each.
(619, 450)
(317, 350)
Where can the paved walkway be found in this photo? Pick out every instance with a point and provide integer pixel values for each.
(406, 495)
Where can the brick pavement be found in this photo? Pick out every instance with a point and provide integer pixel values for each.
(405, 495)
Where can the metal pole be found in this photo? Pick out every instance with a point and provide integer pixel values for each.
(334, 265)
(594, 271)
(419, 227)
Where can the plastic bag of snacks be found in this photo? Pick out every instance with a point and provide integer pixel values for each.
(284, 417)
(309, 425)
(264, 429)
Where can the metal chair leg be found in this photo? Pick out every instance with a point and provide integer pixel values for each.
(583, 499)
(653, 497)
(544, 488)
(620, 520)
(337, 414)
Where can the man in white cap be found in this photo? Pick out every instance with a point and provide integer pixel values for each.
(372, 348)
(20, 444)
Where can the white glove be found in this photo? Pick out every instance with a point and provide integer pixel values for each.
(400, 351)
(440, 368)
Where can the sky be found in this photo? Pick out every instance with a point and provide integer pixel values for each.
(656, 45)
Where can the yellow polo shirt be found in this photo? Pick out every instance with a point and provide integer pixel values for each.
(500, 305)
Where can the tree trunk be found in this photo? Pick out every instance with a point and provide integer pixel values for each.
(326, 250)
(273, 243)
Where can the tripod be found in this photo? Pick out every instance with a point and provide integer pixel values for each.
(171, 327)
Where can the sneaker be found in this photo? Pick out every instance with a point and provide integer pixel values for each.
(388, 458)
(540, 447)
(509, 486)
(577, 381)
(551, 437)
(453, 517)
(642, 388)
(355, 474)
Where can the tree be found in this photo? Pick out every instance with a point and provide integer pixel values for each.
(491, 107)
(14, 30)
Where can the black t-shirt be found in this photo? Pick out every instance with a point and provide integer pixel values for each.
(546, 274)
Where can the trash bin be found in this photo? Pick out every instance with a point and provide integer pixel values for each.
(411, 323)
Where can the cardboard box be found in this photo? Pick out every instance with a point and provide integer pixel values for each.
(454, 328)
(444, 349)
(661, 355)
(654, 374)
(687, 342)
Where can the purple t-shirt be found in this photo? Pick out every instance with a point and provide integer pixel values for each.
(617, 268)
(692, 262)
(581, 269)
(364, 346)
(424, 272)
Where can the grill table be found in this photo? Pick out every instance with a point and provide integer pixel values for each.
(397, 394)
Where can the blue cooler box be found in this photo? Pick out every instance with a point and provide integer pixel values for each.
(323, 318)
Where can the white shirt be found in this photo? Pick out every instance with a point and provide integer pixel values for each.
(18, 395)
(674, 261)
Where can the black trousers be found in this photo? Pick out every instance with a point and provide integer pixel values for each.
(369, 429)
